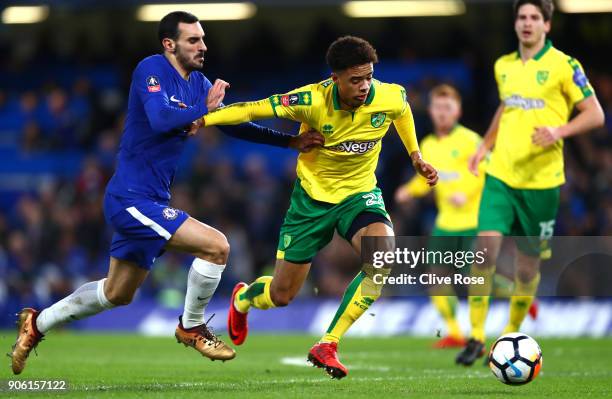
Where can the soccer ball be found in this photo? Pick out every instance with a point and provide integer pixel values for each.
(515, 359)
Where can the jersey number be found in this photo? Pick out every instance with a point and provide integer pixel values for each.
(546, 229)
(373, 199)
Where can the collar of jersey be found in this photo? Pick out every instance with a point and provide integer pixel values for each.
(540, 54)
(453, 130)
(336, 96)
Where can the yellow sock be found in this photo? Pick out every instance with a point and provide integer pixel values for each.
(354, 304)
(520, 302)
(478, 300)
(257, 295)
(447, 307)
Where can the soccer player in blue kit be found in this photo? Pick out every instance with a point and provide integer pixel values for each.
(168, 96)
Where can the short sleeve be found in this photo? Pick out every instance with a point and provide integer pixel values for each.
(575, 84)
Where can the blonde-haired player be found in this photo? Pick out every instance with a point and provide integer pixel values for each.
(457, 195)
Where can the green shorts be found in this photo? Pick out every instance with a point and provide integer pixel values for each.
(520, 213)
(309, 225)
(446, 240)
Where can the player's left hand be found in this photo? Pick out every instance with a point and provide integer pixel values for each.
(216, 94)
(307, 141)
(545, 136)
(425, 170)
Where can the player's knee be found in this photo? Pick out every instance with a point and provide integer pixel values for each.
(527, 267)
(281, 297)
(526, 274)
(219, 251)
(223, 250)
(119, 298)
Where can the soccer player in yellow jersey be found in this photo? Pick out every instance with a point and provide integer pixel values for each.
(539, 86)
(457, 195)
(336, 185)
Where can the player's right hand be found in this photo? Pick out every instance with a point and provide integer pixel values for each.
(475, 161)
(424, 169)
(307, 141)
(216, 94)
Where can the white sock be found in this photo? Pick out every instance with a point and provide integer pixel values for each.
(87, 300)
(202, 282)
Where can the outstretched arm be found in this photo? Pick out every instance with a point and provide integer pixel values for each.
(255, 133)
(295, 105)
(237, 113)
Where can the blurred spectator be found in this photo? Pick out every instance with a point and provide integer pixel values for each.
(58, 122)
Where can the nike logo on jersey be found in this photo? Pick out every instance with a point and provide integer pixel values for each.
(174, 99)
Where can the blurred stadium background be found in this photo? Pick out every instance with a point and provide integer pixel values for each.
(64, 81)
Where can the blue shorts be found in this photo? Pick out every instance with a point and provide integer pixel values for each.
(142, 228)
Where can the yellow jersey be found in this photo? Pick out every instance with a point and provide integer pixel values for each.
(540, 92)
(451, 154)
(345, 165)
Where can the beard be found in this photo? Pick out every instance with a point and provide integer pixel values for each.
(189, 64)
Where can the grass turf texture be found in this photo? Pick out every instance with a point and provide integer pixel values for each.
(267, 366)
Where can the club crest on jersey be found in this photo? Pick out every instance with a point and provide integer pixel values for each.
(378, 119)
(170, 213)
(542, 77)
(153, 84)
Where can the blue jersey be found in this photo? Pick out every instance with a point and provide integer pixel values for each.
(156, 129)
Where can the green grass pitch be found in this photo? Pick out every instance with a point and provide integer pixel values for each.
(271, 366)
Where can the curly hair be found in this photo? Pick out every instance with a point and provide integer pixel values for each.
(349, 51)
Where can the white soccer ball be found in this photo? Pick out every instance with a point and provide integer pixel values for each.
(515, 359)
